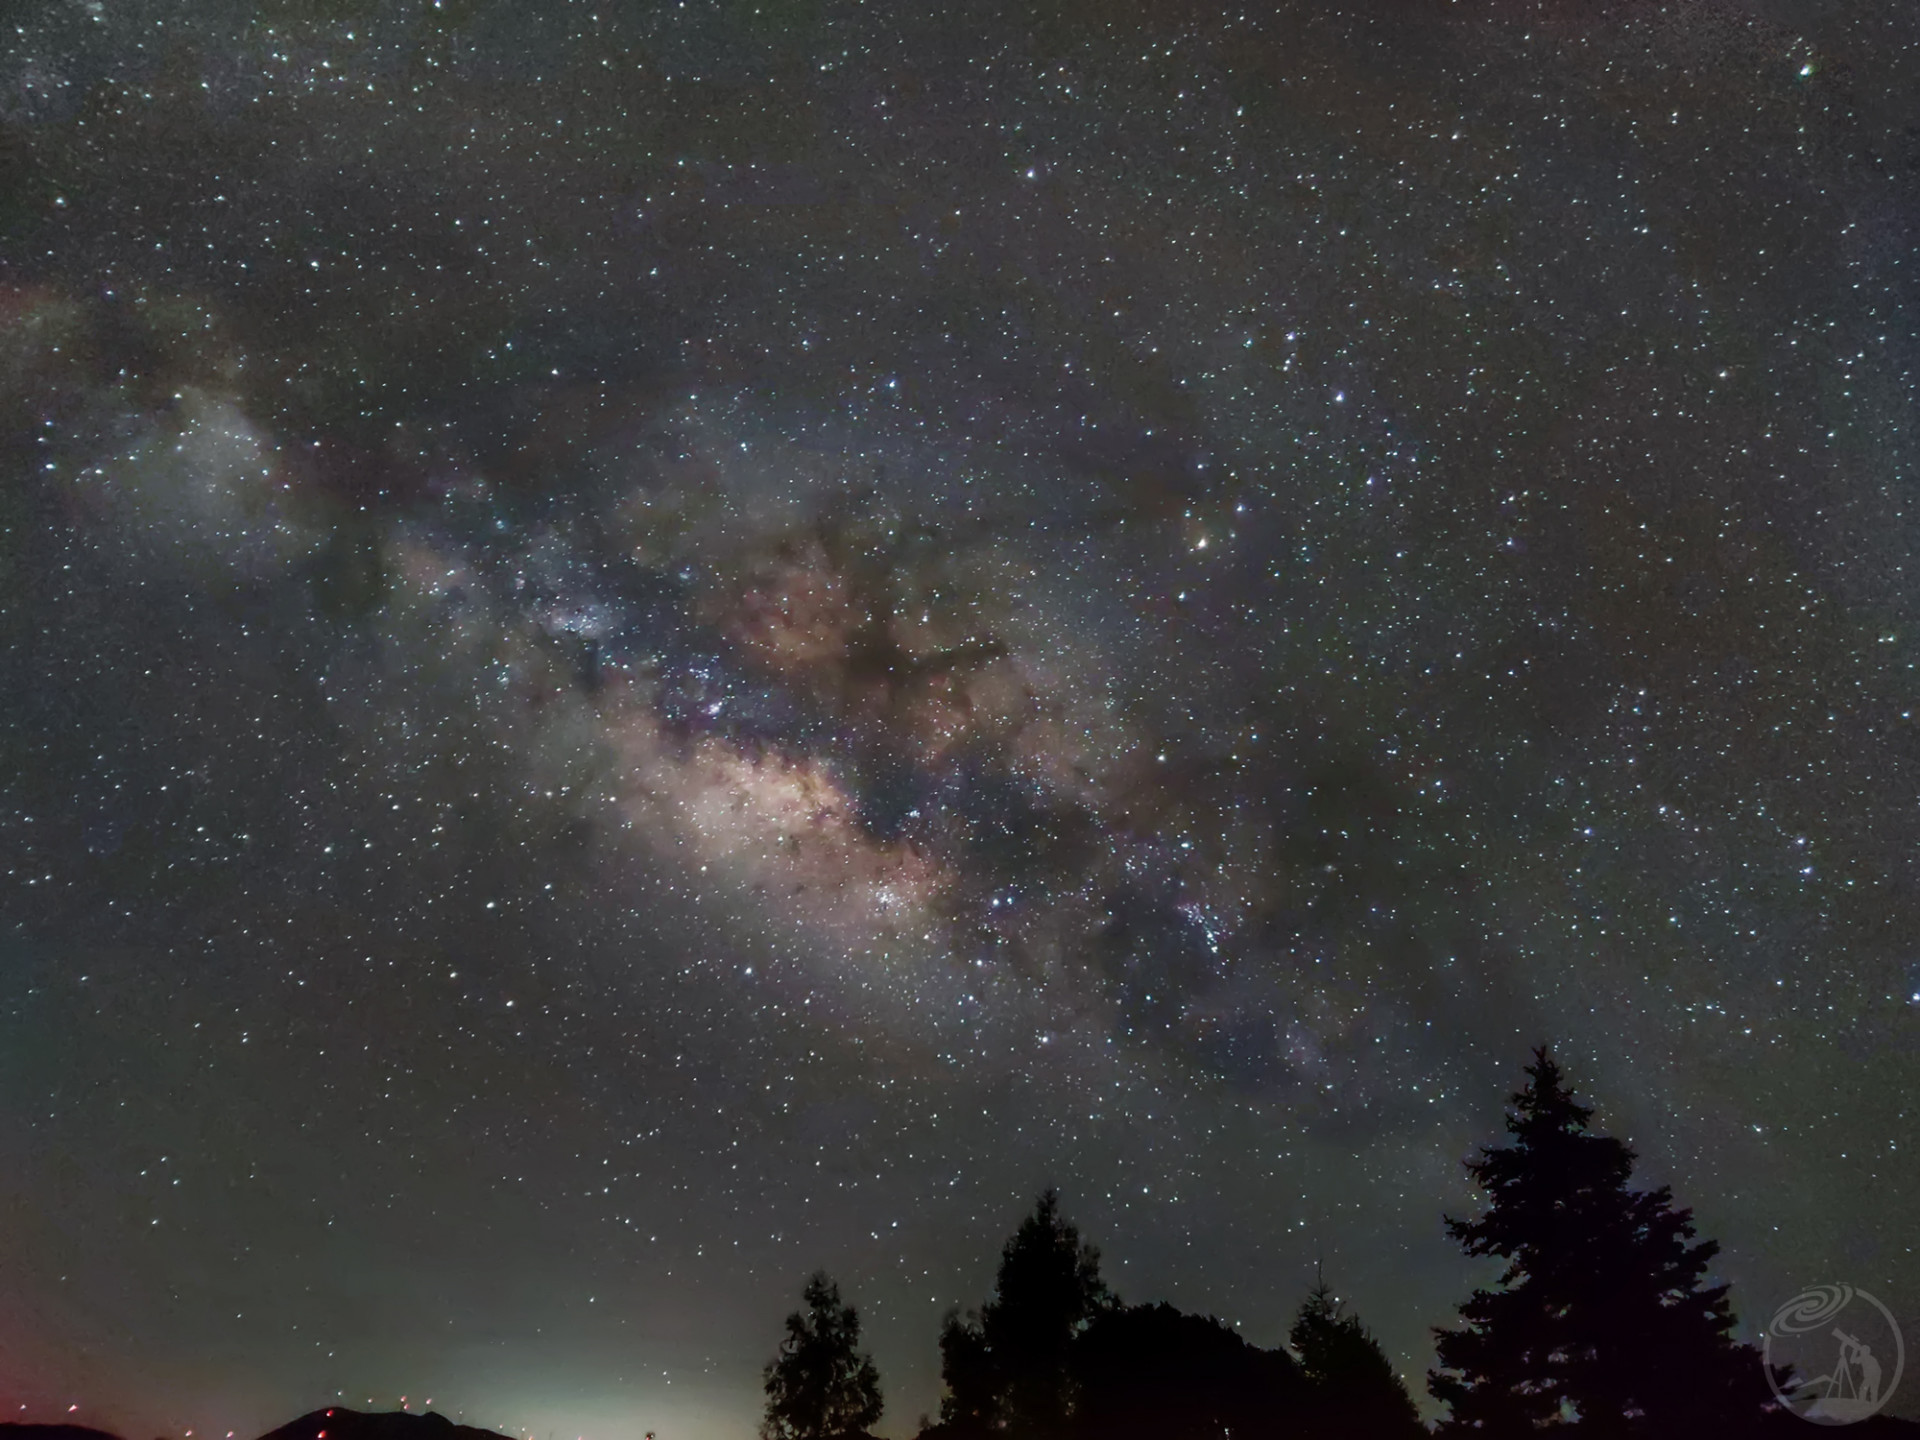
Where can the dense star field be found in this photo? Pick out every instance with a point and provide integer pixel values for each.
(650, 647)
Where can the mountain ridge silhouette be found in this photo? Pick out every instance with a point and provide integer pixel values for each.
(335, 1422)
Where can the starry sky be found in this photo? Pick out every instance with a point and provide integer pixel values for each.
(648, 646)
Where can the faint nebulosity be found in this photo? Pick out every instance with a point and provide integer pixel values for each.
(653, 647)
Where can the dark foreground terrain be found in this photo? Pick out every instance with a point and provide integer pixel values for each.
(340, 1423)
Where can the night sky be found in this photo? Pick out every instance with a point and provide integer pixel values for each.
(644, 648)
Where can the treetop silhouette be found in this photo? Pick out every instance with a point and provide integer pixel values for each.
(1351, 1387)
(1007, 1367)
(820, 1384)
(1601, 1322)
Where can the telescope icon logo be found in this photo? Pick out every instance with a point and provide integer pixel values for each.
(1833, 1355)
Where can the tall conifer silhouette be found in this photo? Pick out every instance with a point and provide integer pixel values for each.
(1600, 1320)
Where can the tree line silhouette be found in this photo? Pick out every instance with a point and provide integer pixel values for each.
(1600, 1324)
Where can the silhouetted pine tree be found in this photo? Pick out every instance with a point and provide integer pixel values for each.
(820, 1385)
(1351, 1387)
(1007, 1369)
(1600, 1321)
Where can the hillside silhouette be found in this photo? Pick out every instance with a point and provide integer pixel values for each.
(336, 1422)
(54, 1432)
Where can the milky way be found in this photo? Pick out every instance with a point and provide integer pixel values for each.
(651, 648)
